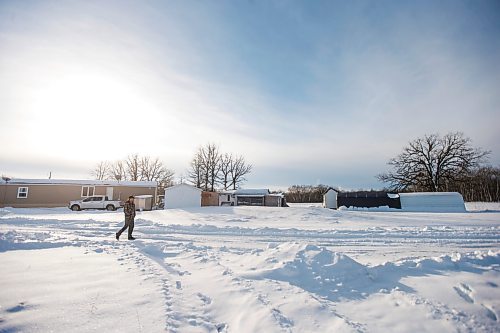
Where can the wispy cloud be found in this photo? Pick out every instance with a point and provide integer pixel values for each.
(322, 91)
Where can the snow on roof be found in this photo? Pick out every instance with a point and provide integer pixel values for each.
(330, 189)
(22, 181)
(253, 192)
(182, 185)
(438, 194)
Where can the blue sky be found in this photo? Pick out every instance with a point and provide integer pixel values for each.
(309, 91)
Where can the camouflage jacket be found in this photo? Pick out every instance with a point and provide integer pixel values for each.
(129, 209)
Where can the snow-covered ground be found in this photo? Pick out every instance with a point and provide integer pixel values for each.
(251, 269)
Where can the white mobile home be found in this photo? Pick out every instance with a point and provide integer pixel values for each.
(27, 193)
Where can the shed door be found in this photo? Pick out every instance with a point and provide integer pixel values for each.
(109, 193)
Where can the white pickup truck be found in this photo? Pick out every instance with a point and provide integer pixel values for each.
(95, 202)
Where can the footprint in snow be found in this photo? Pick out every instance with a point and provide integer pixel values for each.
(204, 298)
(465, 291)
(221, 328)
(490, 313)
(18, 308)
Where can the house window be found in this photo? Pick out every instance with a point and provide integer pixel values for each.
(87, 191)
(22, 192)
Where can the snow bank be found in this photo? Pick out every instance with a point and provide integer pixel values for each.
(336, 276)
(317, 270)
(250, 269)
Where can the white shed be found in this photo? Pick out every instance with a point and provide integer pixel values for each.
(182, 196)
(144, 202)
(443, 202)
(330, 198)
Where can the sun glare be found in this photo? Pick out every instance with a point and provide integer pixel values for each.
(89, 109)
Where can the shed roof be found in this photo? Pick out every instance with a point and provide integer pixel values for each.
(182, 185)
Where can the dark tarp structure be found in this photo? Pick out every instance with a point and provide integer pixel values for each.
(367, 199)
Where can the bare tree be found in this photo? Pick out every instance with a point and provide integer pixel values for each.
(210, 167)
(224, 179)
(154, 170)
(210, 161)
(133, 167)
(196, 171)
(137, 168)
(150, 169)
(238, 169)
(101, 170)
(431, 162)
(117, 171)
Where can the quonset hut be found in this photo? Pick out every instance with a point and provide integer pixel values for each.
(410, 202)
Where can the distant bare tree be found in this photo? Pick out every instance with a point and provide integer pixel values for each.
(210, 161)
(150, 169)
(306, 193)
(137, 168)
(196, 171)
(431, 162)
(133, 167)
(238, 169)
(117, 171)
(101, 170)
(209, 168)
(154, 170)
(224, 178)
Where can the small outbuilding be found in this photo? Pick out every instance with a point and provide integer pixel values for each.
(182, 196)
(330, 198)
(144, 202)
(252, 197)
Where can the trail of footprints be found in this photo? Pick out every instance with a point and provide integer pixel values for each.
(465, 291)
(181, 308)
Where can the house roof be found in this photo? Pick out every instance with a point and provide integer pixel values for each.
(23, 181)
(252, 192)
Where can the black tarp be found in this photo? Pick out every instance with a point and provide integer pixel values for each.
(367, 199)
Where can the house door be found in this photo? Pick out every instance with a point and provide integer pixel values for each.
(109, 193)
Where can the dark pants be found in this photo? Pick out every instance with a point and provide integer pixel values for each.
(129, 223)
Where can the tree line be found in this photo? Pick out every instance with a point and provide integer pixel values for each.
(135, 168)
(435, 163)
(306, 193)
(211, 169)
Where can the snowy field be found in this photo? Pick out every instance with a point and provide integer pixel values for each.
(251, 269)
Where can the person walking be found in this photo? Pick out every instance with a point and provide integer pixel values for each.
(129, 210)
